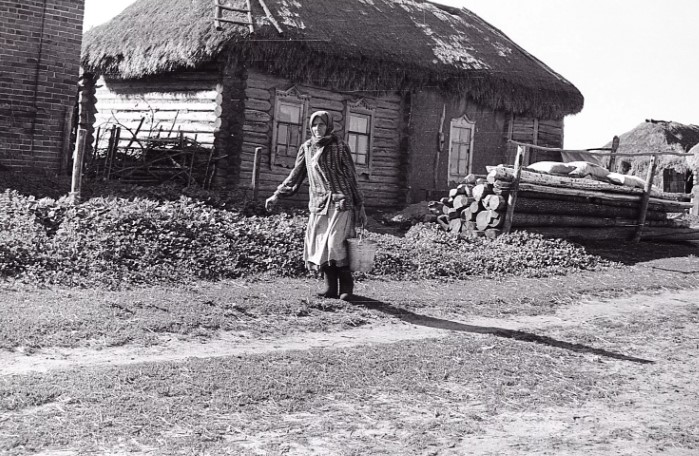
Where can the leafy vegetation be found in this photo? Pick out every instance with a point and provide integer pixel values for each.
(110, 241)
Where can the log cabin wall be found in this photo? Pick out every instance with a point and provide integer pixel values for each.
(177, 102)
(428, 165)
(382, 184)
(547, 133)
(229, 123)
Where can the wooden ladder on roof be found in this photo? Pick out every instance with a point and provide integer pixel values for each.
(218, 15)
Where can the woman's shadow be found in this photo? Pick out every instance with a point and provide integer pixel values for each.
(431, 322)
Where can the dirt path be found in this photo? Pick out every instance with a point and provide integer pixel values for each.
(412, 328)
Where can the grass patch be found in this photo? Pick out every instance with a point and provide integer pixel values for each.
(409, 398)
(34, 318)
(420, 392)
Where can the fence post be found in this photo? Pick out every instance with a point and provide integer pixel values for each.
(78, 158)
(612, 157)
(695, 194)
(644, 200)
(86, 120)
(512, 198)
(255, 184)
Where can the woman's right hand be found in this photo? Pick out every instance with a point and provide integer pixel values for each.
(271, 202)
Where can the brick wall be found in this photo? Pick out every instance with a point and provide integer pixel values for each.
(39, 66)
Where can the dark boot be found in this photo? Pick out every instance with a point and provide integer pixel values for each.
(330, 276)
(346, 283)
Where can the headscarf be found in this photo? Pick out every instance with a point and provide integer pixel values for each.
(327, 118)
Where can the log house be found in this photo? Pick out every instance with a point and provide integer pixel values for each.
(425, 94)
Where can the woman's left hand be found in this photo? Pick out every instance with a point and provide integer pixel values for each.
(361, 217)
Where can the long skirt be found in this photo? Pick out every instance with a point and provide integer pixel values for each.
(326, 238)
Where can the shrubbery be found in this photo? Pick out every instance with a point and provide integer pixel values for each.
(429, 252)
(113, 241)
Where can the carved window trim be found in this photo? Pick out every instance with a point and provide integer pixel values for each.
(291, 96)
(457, 123)
(364, 108)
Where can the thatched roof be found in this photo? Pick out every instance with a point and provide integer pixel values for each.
(346, 44)
(659, 136)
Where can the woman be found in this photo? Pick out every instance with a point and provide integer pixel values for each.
(335, 203)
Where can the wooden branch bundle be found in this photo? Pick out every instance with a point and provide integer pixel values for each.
(155, 159)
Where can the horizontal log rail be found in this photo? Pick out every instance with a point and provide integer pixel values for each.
(602, 154)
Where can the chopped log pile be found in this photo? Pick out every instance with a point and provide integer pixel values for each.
(561, 206)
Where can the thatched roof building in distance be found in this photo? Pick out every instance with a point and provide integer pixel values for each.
(674, 174)
(417, 69)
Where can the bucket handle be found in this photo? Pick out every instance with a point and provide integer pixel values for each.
(361, 233)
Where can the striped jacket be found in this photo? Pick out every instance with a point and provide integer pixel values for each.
(331, 176)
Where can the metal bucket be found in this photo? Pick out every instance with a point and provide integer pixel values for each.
(362, 253)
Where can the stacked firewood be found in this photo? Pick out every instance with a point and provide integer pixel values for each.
(557, 207)
(471, 209)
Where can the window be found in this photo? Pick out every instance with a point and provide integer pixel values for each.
(460, 147)
(289, 130)
(359, 131)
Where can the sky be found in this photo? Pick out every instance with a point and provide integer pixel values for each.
(632, 59)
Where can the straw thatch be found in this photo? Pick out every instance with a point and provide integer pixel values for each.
(368, 45)
(659, 136)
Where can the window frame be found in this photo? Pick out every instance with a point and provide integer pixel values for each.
(291, 96)
(363, 108)
(462, 122)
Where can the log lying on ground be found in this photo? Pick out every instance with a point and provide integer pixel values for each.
(507, 174)
(634, 200)
(521, 219)
(670, 206)
(530, 205)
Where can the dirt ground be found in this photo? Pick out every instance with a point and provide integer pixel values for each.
(652, 341)
(228, 344)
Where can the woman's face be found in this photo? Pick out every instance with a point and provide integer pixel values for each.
(318, 128)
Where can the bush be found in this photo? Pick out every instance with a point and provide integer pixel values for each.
(428, 252)
(116, 241)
